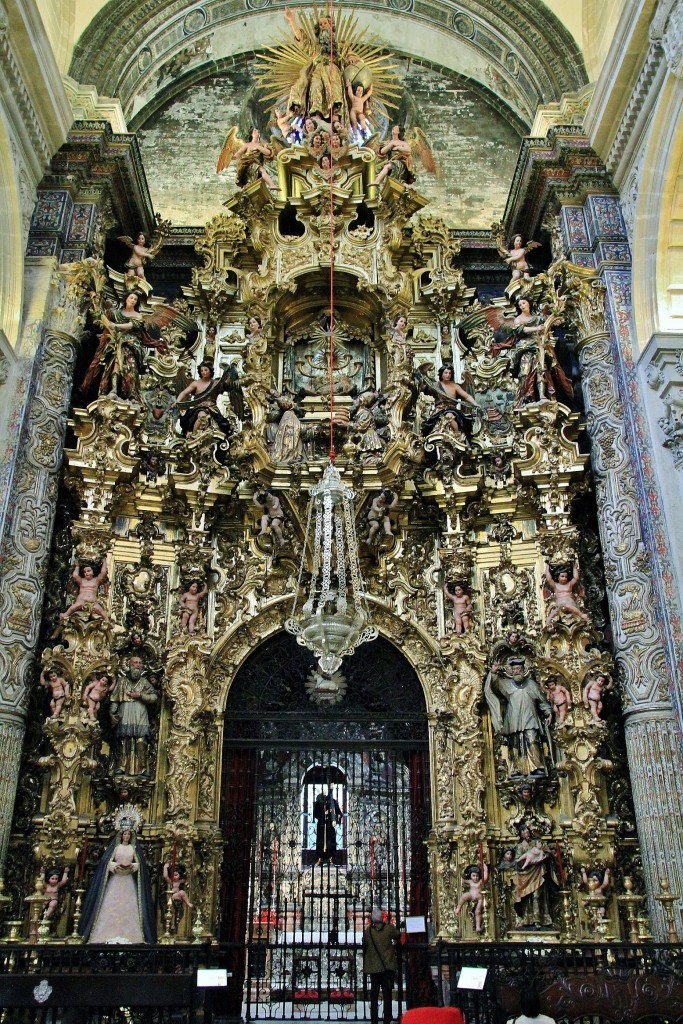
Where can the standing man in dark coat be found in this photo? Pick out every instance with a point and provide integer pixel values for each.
(379, 961)
(327, 815)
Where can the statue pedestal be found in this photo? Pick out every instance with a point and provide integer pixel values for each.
(533, 935)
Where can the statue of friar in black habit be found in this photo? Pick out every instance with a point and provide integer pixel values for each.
(327, 815)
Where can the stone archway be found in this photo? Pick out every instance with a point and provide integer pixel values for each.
(325, 811)
(198, 683)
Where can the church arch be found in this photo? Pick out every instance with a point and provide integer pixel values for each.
(530, 56)
(325, 812)
(658, 296)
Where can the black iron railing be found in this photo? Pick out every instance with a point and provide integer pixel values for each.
(610, 982)
(614, 983)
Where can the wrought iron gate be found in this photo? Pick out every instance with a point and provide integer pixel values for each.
(298, 889)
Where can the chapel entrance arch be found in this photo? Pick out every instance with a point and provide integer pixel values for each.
(324, 814)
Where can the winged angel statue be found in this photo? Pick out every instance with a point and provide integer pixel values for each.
(129, 330)
(141, 253)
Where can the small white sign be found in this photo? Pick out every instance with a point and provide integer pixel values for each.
(212, 977)
(415, 925)
(472, 977)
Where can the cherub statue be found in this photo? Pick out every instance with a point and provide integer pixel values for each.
(515, 256)
(475, 878)
(594, 688)
(378, 516)
(176, 883)
(273, 514)
(254, 332)
(53, 885)
(358, 100)
(337, 148)
(88, 585)
(595, 880)
(58, 687)
(141, 253)
(283, 122)
(189, 605)
(97, 689)
(251, 158)
(462, 606)
(399, 153)
(562, 591)
(560, 699)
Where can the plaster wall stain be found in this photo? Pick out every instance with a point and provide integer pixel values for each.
(475, 147)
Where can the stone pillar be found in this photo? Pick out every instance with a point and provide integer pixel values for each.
(95, 181)
(652, 736)
(26, 549)
(595, 234)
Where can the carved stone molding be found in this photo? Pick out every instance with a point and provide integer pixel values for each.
(666, 28)
(28, 532)
(664, 374)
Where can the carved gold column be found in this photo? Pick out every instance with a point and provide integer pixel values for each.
(652, 737)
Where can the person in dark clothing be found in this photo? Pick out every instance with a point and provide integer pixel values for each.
(379, 961)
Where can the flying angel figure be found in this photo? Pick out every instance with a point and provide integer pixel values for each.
(142, 253)
(515, 255)
(533, 361)
(129, 332)
(250, 156)
(400, 153)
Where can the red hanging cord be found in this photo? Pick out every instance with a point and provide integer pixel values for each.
(332, 451)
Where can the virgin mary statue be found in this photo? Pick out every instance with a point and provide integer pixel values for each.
(118, 907)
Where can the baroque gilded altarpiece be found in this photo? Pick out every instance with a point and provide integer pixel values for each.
(165, 508)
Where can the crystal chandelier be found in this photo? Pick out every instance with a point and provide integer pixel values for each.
(334, 619)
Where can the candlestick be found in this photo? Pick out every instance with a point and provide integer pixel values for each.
(75, 937)
(666, 898)
(84, 852)
(631, 899)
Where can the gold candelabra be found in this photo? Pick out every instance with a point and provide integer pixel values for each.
(667, 899)
(631, 900)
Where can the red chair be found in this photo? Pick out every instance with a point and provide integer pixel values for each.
(433, 1015)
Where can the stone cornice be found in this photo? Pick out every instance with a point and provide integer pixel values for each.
(625, 86)
(560, 168)
(88, 105)
(94, 159)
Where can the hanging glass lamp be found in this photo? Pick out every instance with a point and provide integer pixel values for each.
(334, 620)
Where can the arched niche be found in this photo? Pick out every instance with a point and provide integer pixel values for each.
(308, 885)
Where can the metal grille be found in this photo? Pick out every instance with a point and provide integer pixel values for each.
(310, 887)
(324, 816)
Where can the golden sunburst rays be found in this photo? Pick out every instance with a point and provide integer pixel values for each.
(286, 62)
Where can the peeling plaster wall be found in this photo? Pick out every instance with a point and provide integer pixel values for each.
(475, 147)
